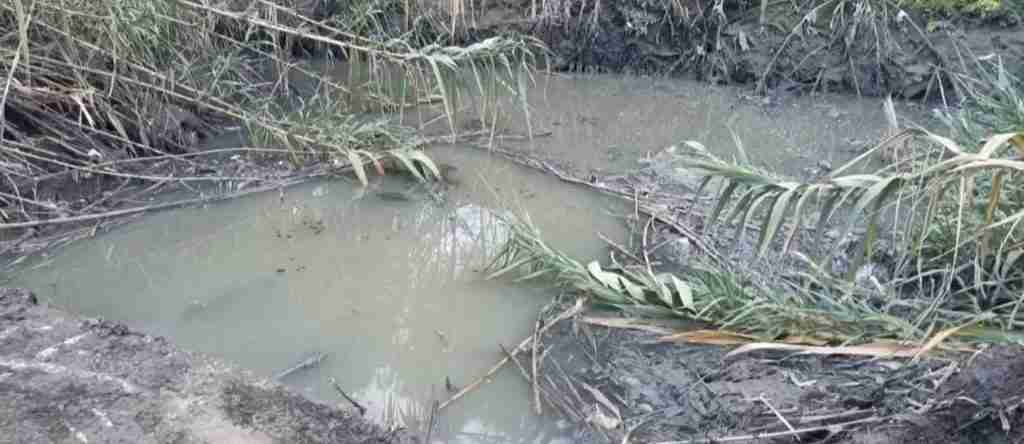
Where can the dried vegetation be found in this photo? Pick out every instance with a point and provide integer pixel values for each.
(119, 97)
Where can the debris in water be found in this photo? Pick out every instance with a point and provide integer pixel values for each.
(362, 410)
(311, 360)
(444, 340)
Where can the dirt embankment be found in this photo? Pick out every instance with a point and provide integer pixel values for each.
(816, 46)
(67, 379)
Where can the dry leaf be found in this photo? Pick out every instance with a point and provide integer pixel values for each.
(805, 340)
(603, 400)
(627, 323)
(879, 349)
(937, 339)
(713, 337)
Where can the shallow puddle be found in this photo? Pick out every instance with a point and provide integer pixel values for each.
(384, 281)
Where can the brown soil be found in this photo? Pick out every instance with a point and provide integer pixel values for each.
(68, 379)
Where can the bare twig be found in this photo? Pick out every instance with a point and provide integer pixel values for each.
(310, 361)
(160, 206)
(643, 245)
(567, 313)
(763, 436)
(334, 383)
(432, 421)
(783, 419)
(619, 248)
(534, 364)
(568, 382)
(526, 374)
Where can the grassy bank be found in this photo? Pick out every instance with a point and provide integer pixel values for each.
(117, 96)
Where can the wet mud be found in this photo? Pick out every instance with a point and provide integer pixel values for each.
(70, 379)
(679, 393)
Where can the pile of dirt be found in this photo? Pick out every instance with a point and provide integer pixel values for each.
(68, 379)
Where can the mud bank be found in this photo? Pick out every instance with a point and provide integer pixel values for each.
(785, 48)
(68, 379)
(679, 393)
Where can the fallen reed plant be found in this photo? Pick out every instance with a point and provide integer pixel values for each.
(705, 294)
(942, 278)
(973, 286)
(812, 308)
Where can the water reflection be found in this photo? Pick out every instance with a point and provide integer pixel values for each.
(389, 289)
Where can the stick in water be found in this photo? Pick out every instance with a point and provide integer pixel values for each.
(569, 312)
(362, 410)
(312, 360)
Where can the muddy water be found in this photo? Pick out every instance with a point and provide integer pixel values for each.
(384, 280)
(606, 123)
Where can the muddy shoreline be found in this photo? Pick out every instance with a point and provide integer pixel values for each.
(684, 393)
(662, 392)
(69, 379)
(649, 391)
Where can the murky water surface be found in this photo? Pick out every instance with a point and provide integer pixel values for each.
(606, 123)
(385, 280)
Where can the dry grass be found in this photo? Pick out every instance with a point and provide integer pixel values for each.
(90, 88)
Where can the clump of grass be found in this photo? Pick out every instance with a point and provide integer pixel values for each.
(992, 102)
